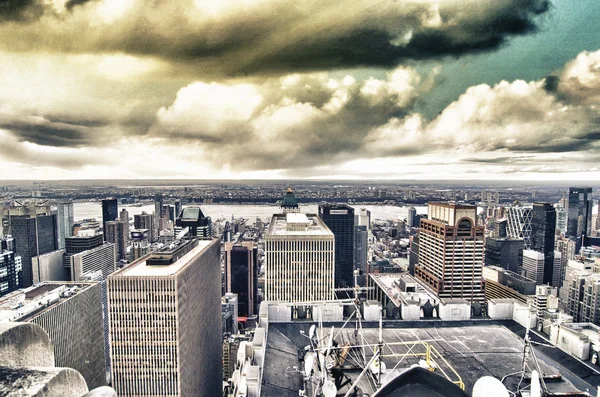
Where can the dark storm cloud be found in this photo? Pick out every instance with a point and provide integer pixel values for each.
(272, 37)
(551, 83)
(20, 10)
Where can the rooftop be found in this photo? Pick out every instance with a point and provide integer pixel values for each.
(390, 284)
(23, 304)
(315, 226)
(473, 349)
(141, 268)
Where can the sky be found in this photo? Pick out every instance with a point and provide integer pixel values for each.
(317, 89)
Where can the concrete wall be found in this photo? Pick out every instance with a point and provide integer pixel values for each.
(501, 309)
(456, 309)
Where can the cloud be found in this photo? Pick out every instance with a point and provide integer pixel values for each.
(241, 37)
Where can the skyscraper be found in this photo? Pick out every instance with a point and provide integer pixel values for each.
(339, 218)
(451, 251)
(519, 224)
(145, 221)
(124, 217)
(199, 224)
(506, 253)
(33, 236)
(242, 275)
(158, 204)
(65, 223)
(579, 222)
(289, 204)
(110, 212)
(533, 265)
(11, 268)
(410, 219)
(299, 259)
(543, 232)
(174, 299)
(115, 233)
(561, 218)
(361, 248)
(71, 314)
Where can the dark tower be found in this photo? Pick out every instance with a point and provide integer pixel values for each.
(579, 221)
(110, 212)
(339, 218)
(543, 232)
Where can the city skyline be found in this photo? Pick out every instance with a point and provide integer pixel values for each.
(395, 90)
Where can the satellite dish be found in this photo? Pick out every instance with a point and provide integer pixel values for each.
(329, 389)
(309, 362)
(488, 386)
(536, 388)
(311, 331)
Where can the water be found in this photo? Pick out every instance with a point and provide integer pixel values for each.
(84, 210)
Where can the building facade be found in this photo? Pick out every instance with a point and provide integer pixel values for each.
(579, 222)
(543, 232)
(241, 275)
(518, 224)
(115, 233)
(504, 252)
(299, 259)
(66, 221)
(165, 322)
(451, 252)
(11, 268)
(339, 218)
(110, 212)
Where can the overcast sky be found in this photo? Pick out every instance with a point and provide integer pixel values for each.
(373, 89)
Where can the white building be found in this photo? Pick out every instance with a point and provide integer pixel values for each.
(533, 264)
(299, 262)
(518, 223)
(165, 322)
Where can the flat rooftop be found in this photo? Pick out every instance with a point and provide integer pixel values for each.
(315, 226)
(389, 284)
(141, 268)
(473, 349)
(24, 304)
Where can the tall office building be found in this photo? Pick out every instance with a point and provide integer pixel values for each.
(65, 223)
(579, 222)
(199, 224)
(145, 221)
(451, 250)
(410, 219)
(11, 268)
(124, 217)
(533, 265)
(299, 259)
(339, 218)
(158, 205)
(71, 315)
(99, 259)
(33, 236)
(168, 211)
(115, 233)
(165, 322)
(561, 219)
(518, 224)
(361, 248)
(413, 253)
(84, 241)
(362, 217)
(557, 275)
(242, 275)
(506, 253)
(567, 249)
(110, 212)
(49, 267)
(178, 208)
(543, 232)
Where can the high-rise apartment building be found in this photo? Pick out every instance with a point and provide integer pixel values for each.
(519, 224)
(543, 232)
(115, 233)
(65, 223)
(11, 268)
(451, 251)
(110, 212)
(165, 322)
(33, 235)
(71, 314)
(580, 292)
(339, 218)
(506, 253)
(299, 262)
(241, 275)
(579, 222)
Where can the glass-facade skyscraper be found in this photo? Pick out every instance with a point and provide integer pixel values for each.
(543, 232)
(110, 212)
(579, 222)
(339, 218)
